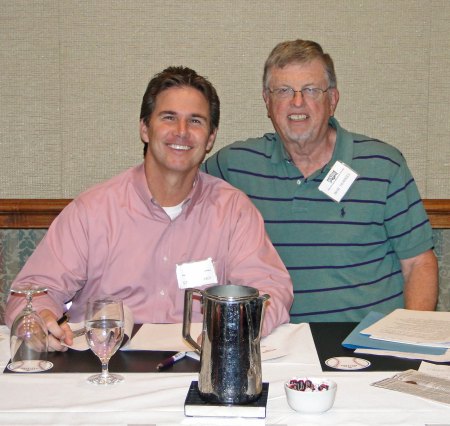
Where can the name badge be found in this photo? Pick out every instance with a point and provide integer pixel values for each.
(196, 274)
(338, 181)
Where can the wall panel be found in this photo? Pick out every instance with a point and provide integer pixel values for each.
(73, 76)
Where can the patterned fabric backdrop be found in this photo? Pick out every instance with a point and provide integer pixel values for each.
(15, 248)
(17, 245)
(442, 248)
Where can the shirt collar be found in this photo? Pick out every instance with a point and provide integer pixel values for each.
(279, 153)
(194, 195)
(145, 194)
(343, 149)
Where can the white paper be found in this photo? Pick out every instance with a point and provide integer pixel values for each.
(419, 384)
(162, 337)
(428, 328)
(168, 337)
(406, 355)
(269, 352)
(295, 341)
(442, 371)
(288, 341)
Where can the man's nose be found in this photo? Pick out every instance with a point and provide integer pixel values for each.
(182, 128)
(297, 98)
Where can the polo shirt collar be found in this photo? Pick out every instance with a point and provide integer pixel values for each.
(343, 150)
(279, 153)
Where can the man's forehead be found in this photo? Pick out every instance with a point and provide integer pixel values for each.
(184, 101)
(173, 90)
(315, 68)
(315, 63)
(184, 98)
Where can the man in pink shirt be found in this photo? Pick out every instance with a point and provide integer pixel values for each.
(157, 228)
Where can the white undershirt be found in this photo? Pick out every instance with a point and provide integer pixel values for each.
(175, 211)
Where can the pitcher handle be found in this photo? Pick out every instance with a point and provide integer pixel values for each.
(188, 316)
(262, 299)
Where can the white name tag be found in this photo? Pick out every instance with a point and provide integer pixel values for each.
(338, 181)
(196, 274)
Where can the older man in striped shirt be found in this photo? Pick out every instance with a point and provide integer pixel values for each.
(342, 209)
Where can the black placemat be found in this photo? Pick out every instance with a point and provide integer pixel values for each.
(74, 361)
(328, 338)
(194, 405)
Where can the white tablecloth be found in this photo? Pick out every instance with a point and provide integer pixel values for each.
(158, 398)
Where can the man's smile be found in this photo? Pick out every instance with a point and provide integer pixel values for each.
(180, 147)
(297, 117)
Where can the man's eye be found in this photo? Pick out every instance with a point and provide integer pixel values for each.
(284, 90)
(309, 90)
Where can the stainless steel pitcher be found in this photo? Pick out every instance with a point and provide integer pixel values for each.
(230, 355)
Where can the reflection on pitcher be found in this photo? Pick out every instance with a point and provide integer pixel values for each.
(230, 355)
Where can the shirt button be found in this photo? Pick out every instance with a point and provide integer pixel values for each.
(162, 293)
(165, 258)
(299, 182)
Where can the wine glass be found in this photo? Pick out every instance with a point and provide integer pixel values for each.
(29, 336)
(104, 324)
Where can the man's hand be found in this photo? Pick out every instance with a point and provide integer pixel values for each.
(58, 334)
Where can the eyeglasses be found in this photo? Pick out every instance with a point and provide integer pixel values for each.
(313, 93)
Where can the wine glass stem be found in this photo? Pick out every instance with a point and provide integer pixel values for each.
(105, 371)
(29, 298)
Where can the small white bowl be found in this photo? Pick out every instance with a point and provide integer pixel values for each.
(311, 401)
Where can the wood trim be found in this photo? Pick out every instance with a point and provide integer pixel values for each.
(30, 213)
(39, 213)
(438, 212)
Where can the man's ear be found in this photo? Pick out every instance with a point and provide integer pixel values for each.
(211, 139)
(334, 100)
(265, 96)
(143, 131)
(266, 101)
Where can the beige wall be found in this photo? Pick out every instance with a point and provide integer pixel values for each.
(73, 74)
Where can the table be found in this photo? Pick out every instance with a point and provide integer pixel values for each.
(158, 398)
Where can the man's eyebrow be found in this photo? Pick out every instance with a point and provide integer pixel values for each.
(167, 112)
(199, 116)
(193, 115)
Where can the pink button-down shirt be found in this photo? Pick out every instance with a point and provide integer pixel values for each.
(114, 239)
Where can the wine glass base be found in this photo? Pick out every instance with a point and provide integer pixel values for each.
(32, 366)
(110, 379)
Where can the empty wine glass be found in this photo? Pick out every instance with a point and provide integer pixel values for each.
(29, 336)
(104, 324)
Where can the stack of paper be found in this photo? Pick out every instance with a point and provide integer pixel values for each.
(419, 384)
(403, 333)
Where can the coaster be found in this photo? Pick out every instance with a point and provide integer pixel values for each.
(196, 406)
(29, 366)
(347, 363)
